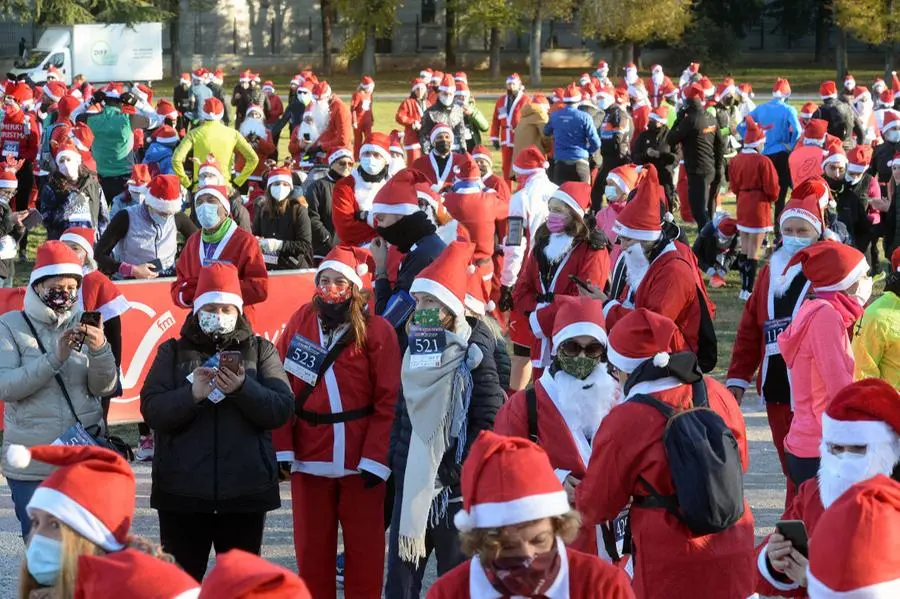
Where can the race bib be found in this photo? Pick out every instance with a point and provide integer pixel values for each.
(75, 435)
(10, 148)
(216, 395)
(426, 344)
(270, 258)
(210, 261)
(619, 527)
(304, 359)
(771, 330)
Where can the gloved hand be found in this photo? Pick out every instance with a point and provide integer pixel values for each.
(370, 480)
(496, 144)
(417, 125)
(505, 302)
(269, 245)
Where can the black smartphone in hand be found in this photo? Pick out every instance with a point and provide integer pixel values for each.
(795, 532)
(92, 318)
(230, 360)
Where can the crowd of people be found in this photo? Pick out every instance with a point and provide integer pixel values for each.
(499, 369)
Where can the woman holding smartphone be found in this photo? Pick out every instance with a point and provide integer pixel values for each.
(212, 397)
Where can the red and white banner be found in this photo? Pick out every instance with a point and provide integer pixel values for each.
(154, 319)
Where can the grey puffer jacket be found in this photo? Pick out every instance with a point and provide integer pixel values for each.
(36, 411)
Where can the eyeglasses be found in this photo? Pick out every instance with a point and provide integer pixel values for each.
(572, 348)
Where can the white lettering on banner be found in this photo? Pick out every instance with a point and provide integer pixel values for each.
(131, 377)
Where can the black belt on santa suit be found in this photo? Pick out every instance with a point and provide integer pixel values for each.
(319, 418)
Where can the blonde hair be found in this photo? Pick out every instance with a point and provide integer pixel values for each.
(485, 542)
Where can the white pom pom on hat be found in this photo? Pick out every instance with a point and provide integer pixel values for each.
(470, 269)
(362, 269)
(18, 456)
(463, 521)
(661, 360)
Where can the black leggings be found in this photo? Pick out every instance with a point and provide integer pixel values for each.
(698, 185)
(25, 179)
(783, 168)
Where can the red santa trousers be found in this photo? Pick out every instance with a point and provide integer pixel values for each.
(319, 503)
(506, 155)
(780, 416)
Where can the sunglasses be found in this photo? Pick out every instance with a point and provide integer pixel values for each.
(572, 348)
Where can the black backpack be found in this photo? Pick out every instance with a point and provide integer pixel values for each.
(705, 465)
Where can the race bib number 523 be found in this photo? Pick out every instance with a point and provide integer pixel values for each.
(304, 359)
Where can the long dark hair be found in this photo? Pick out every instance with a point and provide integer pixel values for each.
(358, 313)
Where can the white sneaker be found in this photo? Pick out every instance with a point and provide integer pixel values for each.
(145, 449)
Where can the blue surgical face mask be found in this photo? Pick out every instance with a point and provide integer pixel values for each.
(44, 559)
(792, 244)
(160, 219)
(208, 215)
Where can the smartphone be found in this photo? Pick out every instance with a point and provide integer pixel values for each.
(230, 360)
(33, 219)
(580, 282)
(795, 532)
(91, 318)
(516, 229)
(156, 263)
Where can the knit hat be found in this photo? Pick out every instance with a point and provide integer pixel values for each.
(134, 574)
(781, 89)
(574, 194)
(220, 192)
(398, 195)
(54, 259)
(827, 90)
(140, 177)
(8, 178)
(859, 158)
(727, 226)
(639, 219)
(625, 177)
(337, 153)
(218, 283)
(830, 266)
(378, 142)
(853, 550)
(166, 135)
(83, 237)
(530, 161)
(862, 413)
(92, 492)
(754, 135)
(438, 129)
(834, 153)
(164, 194)
(660, 114)
(353, 263)
(447, 84)
(482, 153)
(241, 575)
(642, 335)
(507, 481)
(445, 278)
(578, 315)
(213, 109)
(572, 94)
(808, 110)
(806, 208)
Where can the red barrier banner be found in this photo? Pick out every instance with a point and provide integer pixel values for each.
(153, 319)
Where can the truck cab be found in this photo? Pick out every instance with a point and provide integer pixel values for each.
(53, 49)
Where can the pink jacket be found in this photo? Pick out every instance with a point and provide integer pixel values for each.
(817, 352)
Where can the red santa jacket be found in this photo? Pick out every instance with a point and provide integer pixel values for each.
(669, 560)
(361, 110)
(410, 113)
(429, 167)
(667, 91)
(339, 133)
(276, 108)
(475, 209)
(506, 117)
(265, 150)
(20, 136)
(581, 576)
(361, 377)
(754, 180)
(351, 196)
(98, 293)
(239, 248)
(583, 261)
(807, 507)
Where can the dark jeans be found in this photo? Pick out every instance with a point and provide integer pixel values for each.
(801, 469)
(404, 580)
(188, 536)
(783, 167)
(579, 170)
(21, 491)
(698, 186)
(25, 179)
(113, 186)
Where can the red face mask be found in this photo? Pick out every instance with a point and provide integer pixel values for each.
(331, 294)
(524, 576)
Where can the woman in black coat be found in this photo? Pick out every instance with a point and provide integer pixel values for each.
(281, 224)
(214, 469)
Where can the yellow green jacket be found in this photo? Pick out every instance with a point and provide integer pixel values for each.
(213, 137)
(876, 345)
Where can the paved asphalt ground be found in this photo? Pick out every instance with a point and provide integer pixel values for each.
(764, 487)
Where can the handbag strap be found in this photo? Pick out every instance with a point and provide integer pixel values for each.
(56, 375)
(327, 361)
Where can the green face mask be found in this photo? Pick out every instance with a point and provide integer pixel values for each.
(579, 366)
(427, 317)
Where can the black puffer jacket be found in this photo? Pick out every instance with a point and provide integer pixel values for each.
(487, 397)
(318, 200)
(842, 121)
(292, 227)
(215, 457)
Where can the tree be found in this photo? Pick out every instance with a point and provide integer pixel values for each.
(450, 38)
(369, 20)
(793, 18)
(535, 11)
(67, 12)
(327, 12)
(874, 22)
(493, 18)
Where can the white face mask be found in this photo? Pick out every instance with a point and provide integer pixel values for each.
(864, 290)
(69, 169)
(280, 191)
(372, 164)
(892, 136)
(208, 215)
(611, 192)
(604, 102)
(216, 323)
(837, 473)
(305, 97)
(853, 179)
(445, 99)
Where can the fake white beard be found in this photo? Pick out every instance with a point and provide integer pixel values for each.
(837, 474)
(310, 128)
(557, 246)
(253, 126)
(320, 115)
(636, 264)
(585, 403)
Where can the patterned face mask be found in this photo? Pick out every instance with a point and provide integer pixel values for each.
(59, 300)
(427, 317)
(213, 323)
(579, 366)
(332, 294)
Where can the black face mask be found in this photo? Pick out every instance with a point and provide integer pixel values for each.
(332, 315)
(407, 231)
(836, 185)
(727, 101)
(442, 147)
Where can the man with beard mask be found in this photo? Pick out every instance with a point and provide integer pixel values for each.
(507, 111)
(299, 98)
(572, 397)
(306, 131)
(247, 93)
(860, 440)
(660, 87)
(445, 111)
(353, 196)
(259, 137)
(438, 164)
(409, 115)
(319, 200)
(332, 118)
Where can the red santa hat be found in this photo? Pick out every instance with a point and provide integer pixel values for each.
(296, 80)
(353, 263)
(143, 92)
(541, 100)
(602, 67)
(22, 93)
(114, 89)
(574, 194)
(639, 218)
(572, 95)
(367, 83)
(164, 194)
(656, 69)
(530, 161)
(92, 491)
(781, 89)
(895, 260)
(218, 75)
(447, 84)
(466, 169)
(462, 89)
(134, 574)
(140, 177)
(445, 278)
(660, 114)
(246, 76)
(830, 266)
(808, 110)
(514, 78)
(65, 148)
(891, 120)
(268, 87)
(815, 132)
(477, 295)
(218, 283)
(437, 77)
(380, 143)
(241, 575)
(425, 74)
(53, 73)
(461, 76)
(186, 78)
(694, 91)
(418, 83)
(82, 237)
(726, 88)
(280, 174)
(396, 142)
(213, 109)
(834, 153)
(54, 90)
(861, 94)
(200, 74)
(211, 165)
(54, 259)
(853, 550)
(220, 192)
(624, 177)
(576, 316)
(65, 106)
(507, 481)
(895, 161)
(166, 135)
(399, 195)
(863, 413)
(754, 135)
(709, 90)
(727, 226)
(254, 108)
(321, 90)
(859, 158)
(482, 153)
(438, 129)
(886, 98)
(849, 82)
(895, 84)
(166, 109)
(878, 85)
(339, 152)
(827, 90)
(816, 195)
(643, 335)
(8, 178)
